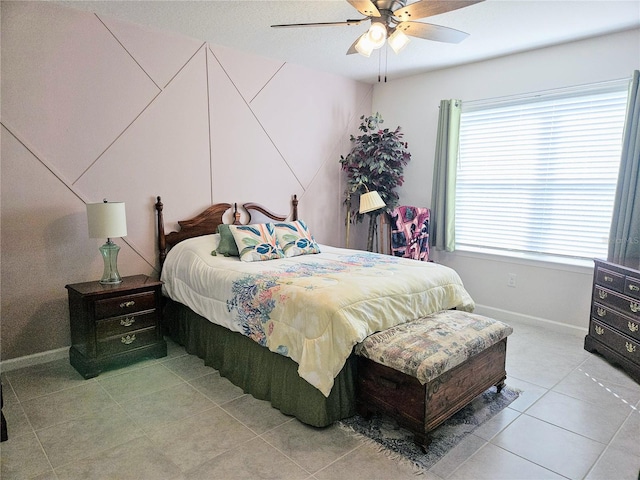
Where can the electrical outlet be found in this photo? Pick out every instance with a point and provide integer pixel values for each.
(511, 280)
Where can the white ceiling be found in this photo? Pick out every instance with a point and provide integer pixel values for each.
(496, 28)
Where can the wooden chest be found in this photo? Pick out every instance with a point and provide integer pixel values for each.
(422, 372)
(421, 408)
(614, 326)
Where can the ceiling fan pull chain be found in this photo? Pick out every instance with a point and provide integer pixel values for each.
(386, 61)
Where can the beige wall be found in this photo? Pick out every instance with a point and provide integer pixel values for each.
(94, 107)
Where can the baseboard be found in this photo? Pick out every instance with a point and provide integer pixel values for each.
(497, 313)
(509, 316)
(35, 359)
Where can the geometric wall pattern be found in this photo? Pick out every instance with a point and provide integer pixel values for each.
(94, 107)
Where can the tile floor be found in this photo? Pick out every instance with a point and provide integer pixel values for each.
(174, 418)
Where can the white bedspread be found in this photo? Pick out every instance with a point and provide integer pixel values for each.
(311, 308)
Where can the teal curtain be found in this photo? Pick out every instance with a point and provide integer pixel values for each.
(443, 196)
(624, 238)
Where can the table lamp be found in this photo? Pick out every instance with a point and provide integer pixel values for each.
(108, 220)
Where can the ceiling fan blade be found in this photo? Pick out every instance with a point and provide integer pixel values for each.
(320, 24)
(429, 31)
(365, 7)
(428, 8)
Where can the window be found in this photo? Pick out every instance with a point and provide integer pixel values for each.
(538, 174)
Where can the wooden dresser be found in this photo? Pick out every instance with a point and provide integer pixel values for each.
(614, 327)
(114, 325)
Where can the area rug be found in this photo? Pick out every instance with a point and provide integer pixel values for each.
(399, 443)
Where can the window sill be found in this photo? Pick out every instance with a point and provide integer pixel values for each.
(580, 265)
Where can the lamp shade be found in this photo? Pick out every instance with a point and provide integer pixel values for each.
(107, 220)
(371, 201)
(398, 40)
(377, 34)
(364, 46)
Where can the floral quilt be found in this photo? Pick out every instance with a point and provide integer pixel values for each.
(311, 308)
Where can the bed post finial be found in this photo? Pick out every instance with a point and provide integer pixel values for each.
(162, 241)
(295, 207)
(236, 214)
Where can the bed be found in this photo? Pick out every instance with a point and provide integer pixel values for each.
(284, 329)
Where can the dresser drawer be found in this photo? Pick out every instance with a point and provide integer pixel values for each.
(125, 324)
(620, 322)
(625, 346)
(611, 280)
(127, 341)
(627, 305)
(125, 304)
(632, 287)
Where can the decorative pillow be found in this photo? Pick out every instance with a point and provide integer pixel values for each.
(295, 239)
(256, 242)
(227, 246)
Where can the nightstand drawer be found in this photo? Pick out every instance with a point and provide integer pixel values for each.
(632, 287)
(125, 304)
(625, 346)
(620, 322)
(124, 324)
(611, 280)
(127, 341)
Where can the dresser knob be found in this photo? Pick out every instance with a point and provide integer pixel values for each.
(127, 322)
(602, 294)
(634, 288)
(128, 340)
(602, 312)
(630, 347)
(599, 330)
(635, 307)
(633, 327)
(128, 304)
(607, 278)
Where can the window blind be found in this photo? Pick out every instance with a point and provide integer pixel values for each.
(538, 174)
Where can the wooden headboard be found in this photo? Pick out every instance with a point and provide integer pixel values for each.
(206, 222)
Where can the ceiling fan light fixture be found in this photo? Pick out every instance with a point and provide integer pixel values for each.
(377, 34)
(363, 46)
(398, 40)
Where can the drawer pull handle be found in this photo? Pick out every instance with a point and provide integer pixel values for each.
(128, 304)
(633, 327)
(602, 294)
(635, 307)
(129, 339)
(630, 347)
(607, 278)
(602, 312)
(599, 330)
(634, 288)
(127, 322)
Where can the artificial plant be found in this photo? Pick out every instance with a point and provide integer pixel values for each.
(376, 162)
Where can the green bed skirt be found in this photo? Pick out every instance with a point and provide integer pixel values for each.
(264, 374)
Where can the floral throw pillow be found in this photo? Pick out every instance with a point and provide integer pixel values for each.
(256, 242)
(295, 239)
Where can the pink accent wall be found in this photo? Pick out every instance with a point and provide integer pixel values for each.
(94, 107)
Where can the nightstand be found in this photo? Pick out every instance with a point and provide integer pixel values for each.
(114, 325)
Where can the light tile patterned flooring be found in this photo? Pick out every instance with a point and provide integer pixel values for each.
(173, 418)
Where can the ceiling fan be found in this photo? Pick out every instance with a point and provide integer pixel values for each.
(392, 21)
